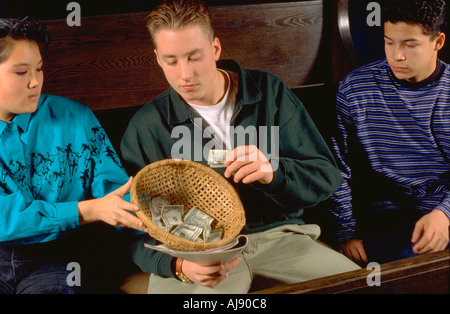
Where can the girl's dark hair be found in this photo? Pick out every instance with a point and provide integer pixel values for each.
(430, 14)
(28, 28)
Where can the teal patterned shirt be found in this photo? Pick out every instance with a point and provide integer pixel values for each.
(49, 161)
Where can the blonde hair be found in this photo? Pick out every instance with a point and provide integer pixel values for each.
(177, 14)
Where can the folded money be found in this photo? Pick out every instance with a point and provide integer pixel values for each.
(197, 218)
(172, 215)
(187, 231)
(193, 225)
(156, 206)
(216, 158)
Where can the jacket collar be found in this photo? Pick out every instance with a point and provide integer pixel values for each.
(177, 111)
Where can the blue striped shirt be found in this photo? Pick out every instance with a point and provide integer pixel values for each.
(393, 144)
(49, 161)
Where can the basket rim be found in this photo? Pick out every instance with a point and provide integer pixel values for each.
(165, 236)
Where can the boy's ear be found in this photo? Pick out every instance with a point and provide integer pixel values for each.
(157, 58)
(440, 41)
(217, 48)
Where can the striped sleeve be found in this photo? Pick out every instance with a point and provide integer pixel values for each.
(405, 134)
(343, 195)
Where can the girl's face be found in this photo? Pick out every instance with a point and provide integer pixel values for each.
(21, 80)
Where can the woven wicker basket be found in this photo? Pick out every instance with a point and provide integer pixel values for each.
(193, 185)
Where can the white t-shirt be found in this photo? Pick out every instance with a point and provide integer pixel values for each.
(218, 117)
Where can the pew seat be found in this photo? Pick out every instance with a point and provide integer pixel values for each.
(422, 274)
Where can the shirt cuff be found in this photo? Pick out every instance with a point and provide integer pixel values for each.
(68, 216)
(445, 207)
(346, 233)
(276, 186)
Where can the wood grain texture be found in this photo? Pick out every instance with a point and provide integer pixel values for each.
(282, 38)
(108, 62)
(428, 273)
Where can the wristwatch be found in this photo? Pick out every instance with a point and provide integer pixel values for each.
(179, 272)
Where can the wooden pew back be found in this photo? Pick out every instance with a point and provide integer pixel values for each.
(108, 62)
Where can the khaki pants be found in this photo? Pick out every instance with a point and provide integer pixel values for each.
(282, 255)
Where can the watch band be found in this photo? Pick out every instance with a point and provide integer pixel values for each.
(179, 272)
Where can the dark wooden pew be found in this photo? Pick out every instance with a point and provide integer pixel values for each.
(108, 63)
(423, 274)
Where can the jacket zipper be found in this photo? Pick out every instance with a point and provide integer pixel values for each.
(201, 129)
(234, 117)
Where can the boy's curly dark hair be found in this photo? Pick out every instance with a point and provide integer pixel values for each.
(430, 14)
(28, 28)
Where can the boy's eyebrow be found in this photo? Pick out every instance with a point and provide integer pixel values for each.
(167, 56)
(408, 39)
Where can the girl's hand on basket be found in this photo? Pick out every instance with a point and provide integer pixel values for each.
(112, 209)
(208, 276)
(248, 164)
